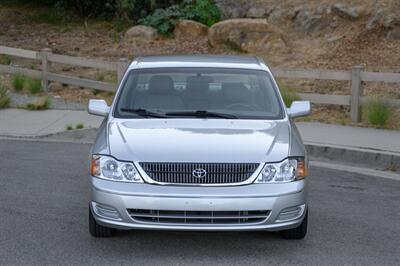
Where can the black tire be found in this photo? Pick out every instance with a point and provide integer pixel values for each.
(97, 230)
(298, 232)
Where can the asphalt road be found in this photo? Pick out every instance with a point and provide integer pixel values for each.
(354, 220)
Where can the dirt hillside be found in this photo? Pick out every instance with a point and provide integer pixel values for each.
(322, 34)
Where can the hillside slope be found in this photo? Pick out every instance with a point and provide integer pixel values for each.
(323, 34)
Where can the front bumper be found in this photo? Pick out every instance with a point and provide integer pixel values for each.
(123, 196)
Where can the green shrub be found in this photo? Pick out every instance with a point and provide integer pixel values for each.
(377, 111)
(18, 82)
(204, 11)
(34, 85)
(49, 16)
(69, 127)
(79, 126)
(5, 59)
(288, 95)
(4, 98)
(120, 25)
(164, 20)
(96, 92)
(54, 11)
(111, 9)
(41, 104)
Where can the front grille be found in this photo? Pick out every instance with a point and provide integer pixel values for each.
(215, 173)
(198, 217)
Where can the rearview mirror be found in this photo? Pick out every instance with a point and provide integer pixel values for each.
(98, 107)
(299, 108)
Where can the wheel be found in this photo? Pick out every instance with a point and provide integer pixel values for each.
(298, 232)
(97, 230)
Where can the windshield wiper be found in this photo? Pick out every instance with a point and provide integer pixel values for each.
(143, 112)
(202, 114)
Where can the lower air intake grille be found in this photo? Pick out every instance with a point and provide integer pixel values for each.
(198, 217)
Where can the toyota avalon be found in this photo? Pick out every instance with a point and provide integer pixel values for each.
(198, 143)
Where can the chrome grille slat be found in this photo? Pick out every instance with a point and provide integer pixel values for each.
(201, 217)
(216, 173)
(198, 217)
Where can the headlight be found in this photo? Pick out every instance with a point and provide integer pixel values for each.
(289, 170)
(106, 167)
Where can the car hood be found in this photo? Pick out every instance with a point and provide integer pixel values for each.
(198, 140)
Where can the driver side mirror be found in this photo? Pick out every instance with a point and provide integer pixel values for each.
(299, 108)
(98, 107)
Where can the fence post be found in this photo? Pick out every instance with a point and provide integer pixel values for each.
(123, 64)
(356, 93)
(45, 68)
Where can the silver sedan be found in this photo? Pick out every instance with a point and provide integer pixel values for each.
(198, 143)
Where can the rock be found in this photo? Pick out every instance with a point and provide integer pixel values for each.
(276, 16)
(249, 35)
(333, 39)
(393, 34)
(334, 24)
(292, 14)
(323, 9)
(141, 32)
(345, 12)
(233, 8)
(257, 13)
(307, 21)
(190, 29)
(391, 20)
(374, 21)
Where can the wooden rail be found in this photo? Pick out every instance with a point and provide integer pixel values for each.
(81, 82)
(356, 75)
(84, 62)
(19, 52)
(14, 70)
(311, 74)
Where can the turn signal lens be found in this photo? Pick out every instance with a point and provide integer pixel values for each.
(95, 165)
(301, 171)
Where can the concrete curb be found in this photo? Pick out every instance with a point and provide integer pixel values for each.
(352, 156)
(85, 136)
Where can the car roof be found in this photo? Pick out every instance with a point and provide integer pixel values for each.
(219, 61)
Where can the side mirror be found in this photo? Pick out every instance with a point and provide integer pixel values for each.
(299, 108)
(98, 107)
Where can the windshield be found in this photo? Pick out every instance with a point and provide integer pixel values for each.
(198, 92)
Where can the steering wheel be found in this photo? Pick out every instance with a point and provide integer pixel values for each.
(241, 106)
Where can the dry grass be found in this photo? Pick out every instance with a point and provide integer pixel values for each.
(5, 100)
(41, 104)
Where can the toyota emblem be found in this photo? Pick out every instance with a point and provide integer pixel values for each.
(199, 173)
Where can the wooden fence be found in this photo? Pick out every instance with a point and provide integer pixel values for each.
(356, 75)
(47, 57)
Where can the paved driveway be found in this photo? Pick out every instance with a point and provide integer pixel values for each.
(354, 219)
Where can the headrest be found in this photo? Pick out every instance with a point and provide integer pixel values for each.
(198, 85)
(161, 85)
(235, 91)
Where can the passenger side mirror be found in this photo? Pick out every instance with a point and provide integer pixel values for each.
(98, 107)
(299, 108)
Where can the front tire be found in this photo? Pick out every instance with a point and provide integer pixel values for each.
(97, 230)
(298, 232)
